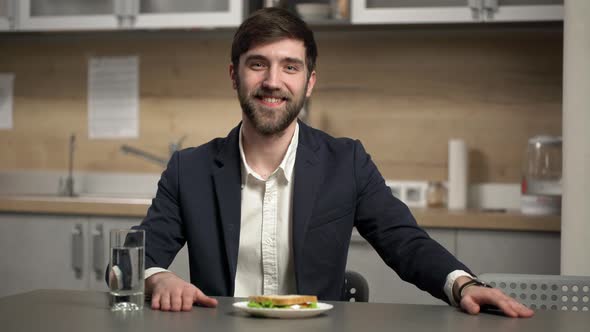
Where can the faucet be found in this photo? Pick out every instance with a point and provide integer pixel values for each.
(68, 188)
(172, 147)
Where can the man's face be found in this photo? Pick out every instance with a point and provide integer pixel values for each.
(272, 84)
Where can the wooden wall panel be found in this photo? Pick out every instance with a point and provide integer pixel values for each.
(404, 91)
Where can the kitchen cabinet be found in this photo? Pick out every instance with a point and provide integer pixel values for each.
(127, 14)
(6, 14)
(483, 251)
(509, 252)
(36, 252)
(188, 13)
(63, 252)
(522, 10)
(454, 11)
(70, 14)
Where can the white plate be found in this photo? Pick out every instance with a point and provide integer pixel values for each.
(283, 313)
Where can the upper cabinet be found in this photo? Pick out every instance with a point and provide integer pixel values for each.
(127, 14)
(454, 11)
(412, 11)
(188, 13)
(45, 15)
(522, 10)
(6, 15)
(68, 14)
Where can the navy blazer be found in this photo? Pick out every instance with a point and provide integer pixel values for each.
(336, 187)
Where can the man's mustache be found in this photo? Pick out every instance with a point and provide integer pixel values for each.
(260, 93)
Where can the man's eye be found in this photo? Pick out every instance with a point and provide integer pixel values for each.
(292, 68)
(257, 65)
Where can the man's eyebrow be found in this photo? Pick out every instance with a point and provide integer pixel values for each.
(255, 57)
(294, 60)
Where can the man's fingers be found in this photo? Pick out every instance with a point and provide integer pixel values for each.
(156, 301)
(521, 310)
(187, 300)
(204, 300)
(470, 306)
(475, 297)
(170, 292)
(165, 302)
(176, 300)
(506, 306)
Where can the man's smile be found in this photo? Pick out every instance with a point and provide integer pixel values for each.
(271, 101)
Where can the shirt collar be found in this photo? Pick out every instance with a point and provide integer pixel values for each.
(285, 167)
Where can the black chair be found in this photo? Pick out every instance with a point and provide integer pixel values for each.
(356, 288)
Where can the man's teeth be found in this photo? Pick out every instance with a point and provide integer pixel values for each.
(272, 100)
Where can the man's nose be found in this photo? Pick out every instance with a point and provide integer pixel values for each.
(272, 79)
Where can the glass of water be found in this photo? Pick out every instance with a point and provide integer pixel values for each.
(126, 269)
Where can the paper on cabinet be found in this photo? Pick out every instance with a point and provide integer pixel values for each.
(113, 88)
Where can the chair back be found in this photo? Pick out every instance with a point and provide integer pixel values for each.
(544, 292)
(356, 288)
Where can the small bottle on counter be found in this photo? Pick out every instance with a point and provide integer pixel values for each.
(436, 194)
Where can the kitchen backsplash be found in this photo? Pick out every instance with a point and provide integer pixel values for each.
(403, 91)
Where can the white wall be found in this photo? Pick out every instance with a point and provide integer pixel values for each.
(575, 229)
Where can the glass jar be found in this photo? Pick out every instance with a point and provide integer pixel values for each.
(436, 194)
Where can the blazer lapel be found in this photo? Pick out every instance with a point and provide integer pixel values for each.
(307, 180)
(227, 181)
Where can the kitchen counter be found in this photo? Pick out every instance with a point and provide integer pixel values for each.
(83, 205)
(137, 207)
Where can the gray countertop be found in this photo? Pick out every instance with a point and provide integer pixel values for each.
(57, 310)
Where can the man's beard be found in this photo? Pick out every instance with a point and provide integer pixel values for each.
(268, 121)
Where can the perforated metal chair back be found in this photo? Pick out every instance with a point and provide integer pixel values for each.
(356, 288)
(544, 292)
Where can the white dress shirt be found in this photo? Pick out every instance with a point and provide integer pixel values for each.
(265, 254)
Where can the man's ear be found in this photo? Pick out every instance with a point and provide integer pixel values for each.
(232, 76)
(310, 84)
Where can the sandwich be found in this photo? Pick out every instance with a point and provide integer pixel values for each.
(283, 301)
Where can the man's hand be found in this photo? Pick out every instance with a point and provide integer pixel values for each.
(171, 293)
(474, 297)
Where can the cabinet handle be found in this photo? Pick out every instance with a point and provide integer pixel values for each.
(490, 7)
(10, 7)
(126, 12)
(476, 8)
(98, 261)
(78, 250)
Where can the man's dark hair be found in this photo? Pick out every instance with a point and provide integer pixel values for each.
(269, 25)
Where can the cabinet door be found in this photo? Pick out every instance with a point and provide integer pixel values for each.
(98, 234)
(413, 11)
(42, 252)
(509, 252)
(385, 286)
(188, 13)
(67, 14)
(523, 10)
(5, 14)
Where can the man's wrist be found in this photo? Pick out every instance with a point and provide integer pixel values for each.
(464, 282)
(450, 282)
(459, 282)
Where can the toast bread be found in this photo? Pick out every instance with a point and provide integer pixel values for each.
(284, 300)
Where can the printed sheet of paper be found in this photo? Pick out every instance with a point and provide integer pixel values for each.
(113, 88)
(6, 96)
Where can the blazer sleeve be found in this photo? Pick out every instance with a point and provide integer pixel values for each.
(163, 222)
(388, 225)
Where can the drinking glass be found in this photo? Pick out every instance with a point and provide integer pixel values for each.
(126, 269)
